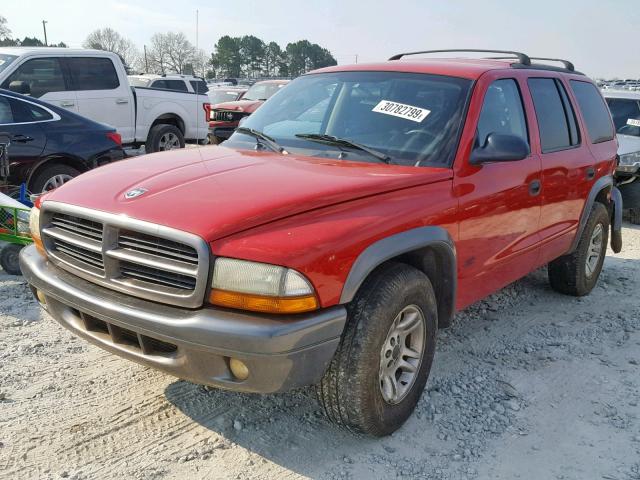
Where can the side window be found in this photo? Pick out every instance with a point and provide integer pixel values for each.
(159, 84)
(37, 114)
(502, 111)
(6, 113)
(594, 110)
(554, 116)
(36, 77)
(90, 73)
(199, 86)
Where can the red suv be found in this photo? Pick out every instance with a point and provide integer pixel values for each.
(225, 117)
(338, 229)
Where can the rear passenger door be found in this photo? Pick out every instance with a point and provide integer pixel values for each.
(101, 96)
(568, 168)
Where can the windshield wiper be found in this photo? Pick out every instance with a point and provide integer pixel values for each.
(263, 139)
(331, 140)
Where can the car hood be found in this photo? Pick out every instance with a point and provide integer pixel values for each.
(628, 144)
(239, 105)
(217, 191)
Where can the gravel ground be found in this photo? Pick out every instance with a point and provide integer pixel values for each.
(527, 384)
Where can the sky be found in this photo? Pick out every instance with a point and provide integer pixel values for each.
(597, 35)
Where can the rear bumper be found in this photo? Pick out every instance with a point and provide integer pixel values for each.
(281, 352)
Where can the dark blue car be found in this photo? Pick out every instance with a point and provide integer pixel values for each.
(49, 145)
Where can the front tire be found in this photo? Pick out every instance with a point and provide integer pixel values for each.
(383, 361)
(577, 273)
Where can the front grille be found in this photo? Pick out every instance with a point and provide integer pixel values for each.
(142, 259)
(227, 115)
(125, 337)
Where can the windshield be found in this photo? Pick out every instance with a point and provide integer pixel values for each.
(414, 119)
(6, 60)
(262, 91)
(626, 115)
(221, 96)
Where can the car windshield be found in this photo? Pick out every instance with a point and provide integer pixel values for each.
(626, 115)
(6, 60)
(413, 119)
(221, 96)
(262, 91)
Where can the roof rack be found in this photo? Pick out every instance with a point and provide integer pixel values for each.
(567, 64)
(522, 58)
(524, 61)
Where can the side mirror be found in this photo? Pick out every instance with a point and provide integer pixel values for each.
(18, 86)
(500, 148)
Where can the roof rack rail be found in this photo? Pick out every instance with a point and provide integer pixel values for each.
(522, 58)
(567, 64)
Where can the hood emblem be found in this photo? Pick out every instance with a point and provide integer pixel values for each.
(136, 192)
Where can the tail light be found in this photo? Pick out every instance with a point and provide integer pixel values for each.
(115, 137)
(207, 111)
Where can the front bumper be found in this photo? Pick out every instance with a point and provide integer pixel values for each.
(281, 352)
(222, 129)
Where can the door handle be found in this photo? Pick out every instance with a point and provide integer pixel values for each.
(534, 188)
(591, 173)
(121, 101)
(67, 104)
(21, 138)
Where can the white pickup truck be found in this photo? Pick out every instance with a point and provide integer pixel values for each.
(94, 84)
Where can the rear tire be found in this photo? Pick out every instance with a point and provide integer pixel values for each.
(51, 177)
(577, 273)
(633, 214)
(356, 390)
(9, 259)
(164, 137)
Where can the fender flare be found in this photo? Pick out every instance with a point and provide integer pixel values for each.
(412, 240)
(600, 184)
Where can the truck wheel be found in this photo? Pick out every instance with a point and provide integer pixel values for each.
(9, 259)
(577, 273)
(51, 177)
(383, 361)
(164, 137)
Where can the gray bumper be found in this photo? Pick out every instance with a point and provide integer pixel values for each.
(282, 352)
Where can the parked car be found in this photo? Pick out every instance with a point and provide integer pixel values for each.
(340, 227)
(49, 145)
(176, 83)
(225, 117)
(94, 84)
(625, 109)
(225, 94)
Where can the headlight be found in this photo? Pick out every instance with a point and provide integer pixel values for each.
(34, 229)
(260, 287)
(630, 159)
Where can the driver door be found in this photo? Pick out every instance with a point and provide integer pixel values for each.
(499, 202)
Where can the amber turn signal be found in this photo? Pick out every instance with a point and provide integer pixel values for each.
(259, 303)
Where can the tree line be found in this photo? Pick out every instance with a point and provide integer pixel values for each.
(249, 56)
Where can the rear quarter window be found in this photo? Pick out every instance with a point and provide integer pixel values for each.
(594, 110)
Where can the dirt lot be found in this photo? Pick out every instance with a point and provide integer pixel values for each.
(528, 384)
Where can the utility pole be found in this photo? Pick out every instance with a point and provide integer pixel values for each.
(146, 65)
(44, 27)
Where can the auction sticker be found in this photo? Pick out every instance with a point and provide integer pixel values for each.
(633, 122)
(408, 112)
